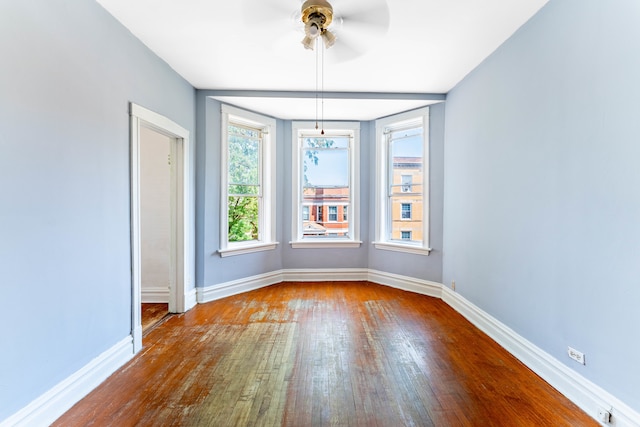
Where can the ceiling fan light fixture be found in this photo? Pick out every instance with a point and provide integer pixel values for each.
(308, 42)
(329, 38)
(317, 15)
(312, 28)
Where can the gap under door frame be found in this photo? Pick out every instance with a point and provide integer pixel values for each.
(181, 218)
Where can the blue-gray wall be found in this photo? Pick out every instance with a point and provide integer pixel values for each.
(418, 266)
(542, 187)
(212, 270)
(68, 71)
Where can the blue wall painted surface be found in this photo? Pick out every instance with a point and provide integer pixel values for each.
(211, 269)
(418, 266)
(542, 183)
(332, 257)
(540, 188)
(67, 75)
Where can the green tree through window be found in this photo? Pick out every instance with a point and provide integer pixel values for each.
(244, 183)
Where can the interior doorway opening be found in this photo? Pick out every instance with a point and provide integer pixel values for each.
(161, 228)
(157, 225)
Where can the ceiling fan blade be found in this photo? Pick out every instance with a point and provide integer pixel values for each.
(343, 51)
(374, 15)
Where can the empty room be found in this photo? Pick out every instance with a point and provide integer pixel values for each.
(322, 212)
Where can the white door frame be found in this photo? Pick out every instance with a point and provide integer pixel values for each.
(181, 229)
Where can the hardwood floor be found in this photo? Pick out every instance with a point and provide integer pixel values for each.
(152, 314)
(320, 354)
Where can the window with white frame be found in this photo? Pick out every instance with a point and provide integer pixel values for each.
(405, 211)
(325, 176)
(402, 186)
(247, 205)
(333, 213)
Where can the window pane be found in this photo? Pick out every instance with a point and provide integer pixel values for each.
(402, 215)
(406, 217)
(325, 164)
(405, 210)
(244, 159)
(323, 221)
(237, 130)
(326, 142)
(326, 168)
(243, 219)
(333, 213)
(406, 159)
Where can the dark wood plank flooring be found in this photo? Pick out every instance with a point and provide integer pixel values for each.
(323, 354)
(152, 313)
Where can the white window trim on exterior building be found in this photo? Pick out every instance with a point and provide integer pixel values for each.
(267, 213)
(382, 222)
(297, 239)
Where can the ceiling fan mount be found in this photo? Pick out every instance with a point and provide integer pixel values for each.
(317, 15)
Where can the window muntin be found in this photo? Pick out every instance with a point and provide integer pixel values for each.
(325, 178)
(247, 205)
(401, 186)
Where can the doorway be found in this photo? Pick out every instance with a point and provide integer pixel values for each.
(157, 217)
(161, 225)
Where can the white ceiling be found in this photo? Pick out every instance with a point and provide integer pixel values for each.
(413, 47)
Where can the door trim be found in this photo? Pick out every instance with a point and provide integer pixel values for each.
(182, 229)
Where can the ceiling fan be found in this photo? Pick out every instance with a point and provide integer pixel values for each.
(317, 16)
(350, 26)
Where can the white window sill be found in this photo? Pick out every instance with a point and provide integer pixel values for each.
(247, 249)
(326, 244)
(398, 247)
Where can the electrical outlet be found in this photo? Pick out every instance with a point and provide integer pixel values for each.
(604, 416)
(453, 285)
(576, 355)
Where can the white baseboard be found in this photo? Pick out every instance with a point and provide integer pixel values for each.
(585, 394)
(234, 287)
(419, 286)
(152, 294)
(51, 405)
(325, 274)
(588, 396)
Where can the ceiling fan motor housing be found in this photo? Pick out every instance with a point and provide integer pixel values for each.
(317, 12)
